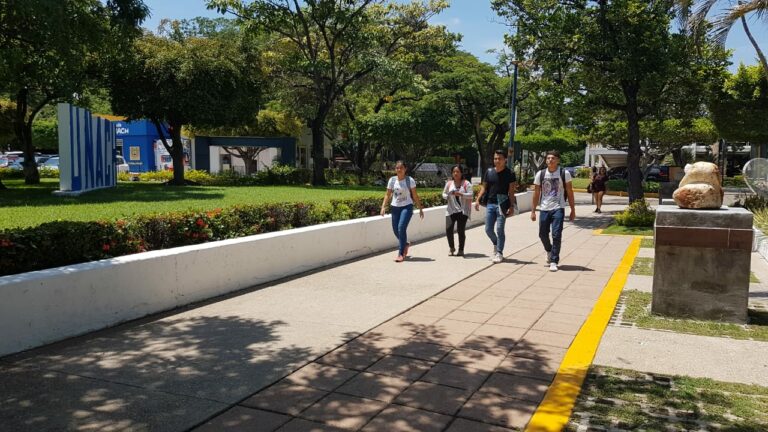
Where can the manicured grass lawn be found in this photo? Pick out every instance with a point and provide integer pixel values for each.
(646, 243)
(23, 206)
(631, 400)
(623, 230)
(580, 183)
(638, 311)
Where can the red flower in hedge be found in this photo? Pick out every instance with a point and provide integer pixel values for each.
(105, 247)
(5, 243)
(200, 222)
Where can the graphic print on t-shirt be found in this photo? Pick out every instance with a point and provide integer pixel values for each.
(551, 187)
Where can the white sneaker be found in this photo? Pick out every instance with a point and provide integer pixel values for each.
(498, 258)
(552, 266)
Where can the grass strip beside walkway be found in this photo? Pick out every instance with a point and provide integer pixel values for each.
(638, 311)
(555, 410)
(630, 400)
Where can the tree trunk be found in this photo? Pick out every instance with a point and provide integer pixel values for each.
(318, 146)
(635, 177)
(177, 155)
(251, 165)
(22, 128)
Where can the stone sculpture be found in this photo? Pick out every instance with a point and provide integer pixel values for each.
(700, 187)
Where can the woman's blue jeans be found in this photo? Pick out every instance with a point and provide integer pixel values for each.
(495, 220)
(401, 216)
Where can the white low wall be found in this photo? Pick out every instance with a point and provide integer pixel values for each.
(46, 306)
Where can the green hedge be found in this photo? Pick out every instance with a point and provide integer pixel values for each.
(623, 185)
(61, 243)
(6, 173)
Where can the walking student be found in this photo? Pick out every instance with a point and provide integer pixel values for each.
(551, 186)
(458, 193)
(401, 193)
(498, 191)
(599, 187)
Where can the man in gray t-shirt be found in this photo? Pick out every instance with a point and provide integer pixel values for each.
(551, 186)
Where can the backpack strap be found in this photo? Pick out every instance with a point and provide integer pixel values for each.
(541, 183)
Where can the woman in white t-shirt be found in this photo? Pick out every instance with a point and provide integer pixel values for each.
(458, 193)
(401, 193)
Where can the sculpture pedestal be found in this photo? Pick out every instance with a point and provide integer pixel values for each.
(702, 263)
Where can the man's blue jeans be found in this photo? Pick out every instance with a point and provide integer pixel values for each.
(401, 216)
(553, 218)
(494, 219)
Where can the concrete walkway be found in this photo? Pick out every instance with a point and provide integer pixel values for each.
(434, 343)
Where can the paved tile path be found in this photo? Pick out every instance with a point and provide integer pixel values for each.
(437, 343)
(479, 356)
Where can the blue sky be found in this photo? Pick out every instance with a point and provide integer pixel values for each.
(481, 28)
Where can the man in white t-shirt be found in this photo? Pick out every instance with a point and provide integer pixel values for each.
(551, 186)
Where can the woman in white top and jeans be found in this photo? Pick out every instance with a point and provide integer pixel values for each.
(401, 191)
(458, 192)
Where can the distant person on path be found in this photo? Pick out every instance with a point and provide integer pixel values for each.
(458, 192)
(401, 192)
(599, 187)
(551, 186)
(498, 191)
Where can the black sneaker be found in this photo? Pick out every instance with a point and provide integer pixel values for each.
(460, 252)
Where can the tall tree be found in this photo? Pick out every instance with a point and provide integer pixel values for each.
(617, 55)
(325, 46)
(740, 107)
(401, 81)
(481, 98)
(695, 13)
(52, 50)
(192, 81)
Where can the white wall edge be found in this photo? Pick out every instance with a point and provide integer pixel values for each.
(47, 306)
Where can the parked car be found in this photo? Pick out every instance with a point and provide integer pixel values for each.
(52, 163)
(122, 165)
(617, 173)
(41, 159)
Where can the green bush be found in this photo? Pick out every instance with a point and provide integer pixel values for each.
(753, 203)
(45, 172)
(61, 243)
(441, 160)
(585, 172)
(735, 181)
(623, 185)
(637, 214)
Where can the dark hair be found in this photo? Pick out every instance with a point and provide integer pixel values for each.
(603, 169)
(501, 153)
(401, 162)
(461, 170)
(554, 153)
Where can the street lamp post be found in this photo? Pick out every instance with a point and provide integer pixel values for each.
(512, 154)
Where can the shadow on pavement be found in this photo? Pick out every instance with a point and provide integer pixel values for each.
(406, 374)
(165, 375)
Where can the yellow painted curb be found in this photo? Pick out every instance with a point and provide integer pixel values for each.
(554, 411)
(597, 232)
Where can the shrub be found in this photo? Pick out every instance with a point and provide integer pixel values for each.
(61, 243)
(735, 181)
(45, 172)
(753, 203)
(585, 172)
(637, 214)
(623, 185)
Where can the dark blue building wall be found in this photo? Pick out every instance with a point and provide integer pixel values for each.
(138, 143)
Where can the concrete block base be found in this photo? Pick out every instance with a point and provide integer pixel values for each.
(702, 263)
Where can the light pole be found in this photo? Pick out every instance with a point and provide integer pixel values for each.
(513, 120)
